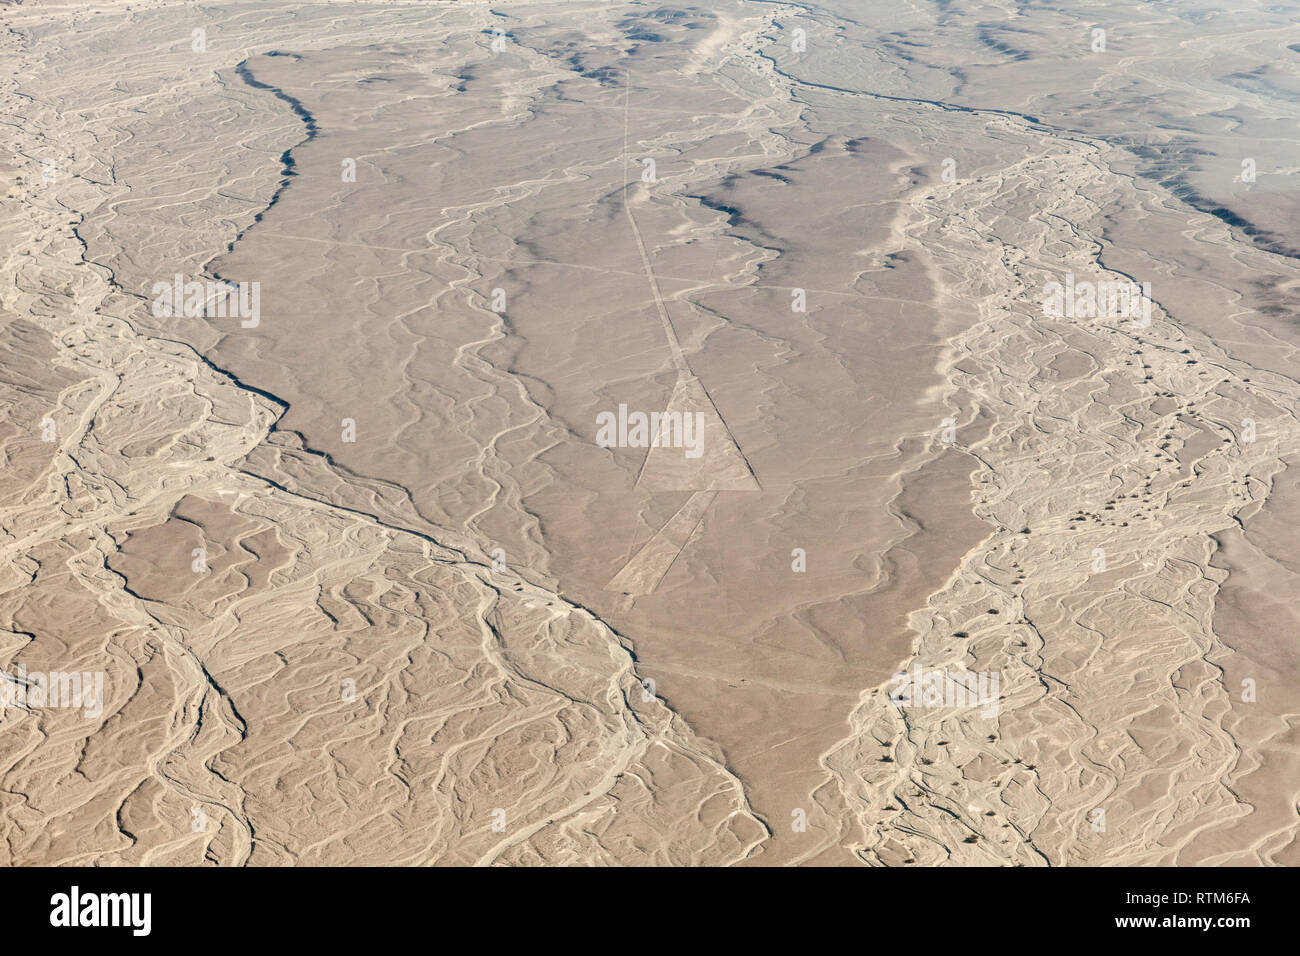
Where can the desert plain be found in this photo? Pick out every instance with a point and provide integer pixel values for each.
(649, 433)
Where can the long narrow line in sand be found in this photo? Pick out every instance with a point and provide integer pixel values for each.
(679, 360)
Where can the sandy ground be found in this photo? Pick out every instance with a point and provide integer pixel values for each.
(365, 582)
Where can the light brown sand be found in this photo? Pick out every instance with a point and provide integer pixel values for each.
(474, 635)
